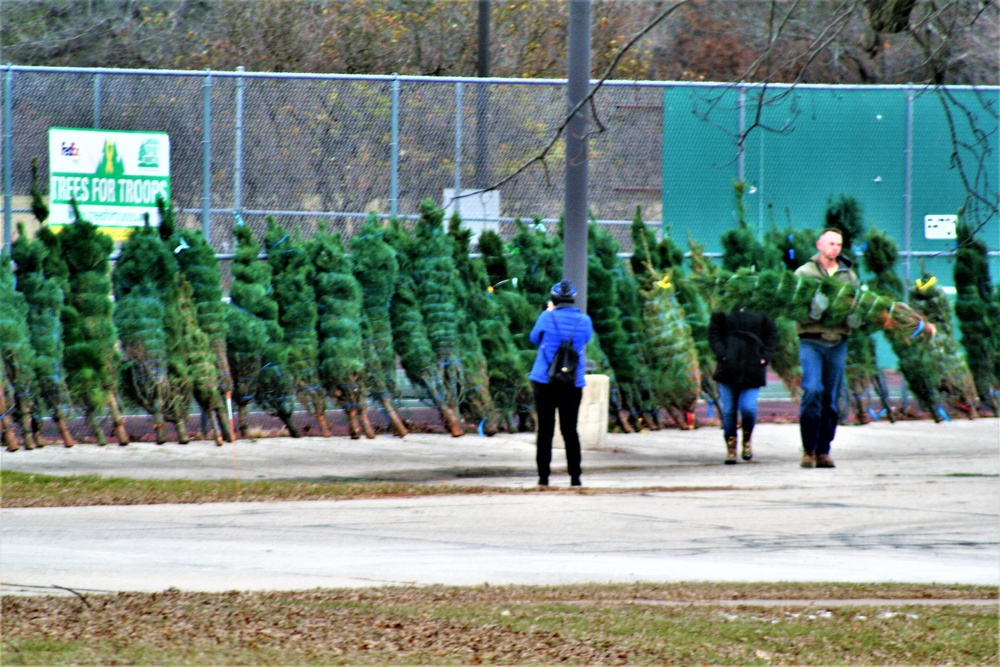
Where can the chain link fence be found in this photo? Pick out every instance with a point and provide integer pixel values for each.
(330, 149)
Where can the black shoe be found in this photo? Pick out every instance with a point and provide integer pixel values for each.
(543, 481)
(575, 481)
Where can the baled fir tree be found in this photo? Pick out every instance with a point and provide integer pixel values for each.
(45, 300)
(90, 355)
(666, 256)
(915, 361)
(977, 317)
(624, 361)
(431, 255)
(675, 375)
(144, 277)
(193, 371)
(376, 269)
(255, 342)
(955, 383)
(494, 380)
(340, 354)
(410, 336)
(292, 281)
(17, 375)
(517, 314)
(199, 266)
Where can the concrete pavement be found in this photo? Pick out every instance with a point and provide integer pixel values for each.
(912, 501)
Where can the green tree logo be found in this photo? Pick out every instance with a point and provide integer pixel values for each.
(111, 164)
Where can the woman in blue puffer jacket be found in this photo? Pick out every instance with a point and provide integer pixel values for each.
(560, 321)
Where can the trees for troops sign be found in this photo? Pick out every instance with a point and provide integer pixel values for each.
(114, 176)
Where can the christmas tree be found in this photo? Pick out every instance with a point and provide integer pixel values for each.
(517, 315)
(675, 376)
(955, 384)
(199, 267)
(604, 269)
(376, 270)
(431, 255)
(143, 278)
(17, 375)
(91, 358)
(410, 333)
(977, 316)
(668, 256)
(341, 355)
(255, 341)
(292, 276)
(45, 300)
(501, 369)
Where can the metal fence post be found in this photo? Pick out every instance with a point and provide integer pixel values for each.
(206, 158)
(394, 149)
(97, 101)
(238, 149)
(908, 184)
(458, 142)
(8, 157)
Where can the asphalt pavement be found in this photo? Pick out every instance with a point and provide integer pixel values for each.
(912, 501)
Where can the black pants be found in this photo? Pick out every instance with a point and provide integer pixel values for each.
(566, 400)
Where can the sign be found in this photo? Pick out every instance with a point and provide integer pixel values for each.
(479, 210)
(115, 177)
(940, 226)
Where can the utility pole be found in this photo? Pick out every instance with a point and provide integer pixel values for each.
(575, 196)
(483, 97)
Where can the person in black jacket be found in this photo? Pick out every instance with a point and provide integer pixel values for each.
(743, 344)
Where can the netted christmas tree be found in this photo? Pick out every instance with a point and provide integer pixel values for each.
(91, 358)
(743, 249)
(45, 301)
(667, 256)
(410, 333)
(517, 314)
(292, 275)
(192, 368)
(978, 317)
(376, 269)
(338, 325)
(431, 255)
(17, 377)
(955, 384)
(624, 359)
(255, 341)
(796, 246)
(675, 375)
(144, 277)
(199, 267)
(829, 301)
(498, 383)
(916, 363)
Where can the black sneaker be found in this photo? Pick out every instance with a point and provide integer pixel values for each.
(575, 481)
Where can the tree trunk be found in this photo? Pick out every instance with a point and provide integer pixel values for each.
(397, 423)
(6, 425)
(118, 419)
(451, 423)
(60, 420)
(182, 433)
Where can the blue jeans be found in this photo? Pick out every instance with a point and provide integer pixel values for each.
(822, 379)
(742, 400)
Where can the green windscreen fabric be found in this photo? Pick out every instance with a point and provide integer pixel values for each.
(805, 145)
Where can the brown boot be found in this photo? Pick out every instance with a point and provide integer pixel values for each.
(808, 460)
(747, 449)
(731, 450)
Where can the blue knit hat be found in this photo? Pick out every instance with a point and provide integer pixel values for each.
(563, 290)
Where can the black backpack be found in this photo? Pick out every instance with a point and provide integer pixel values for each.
(562, 368)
